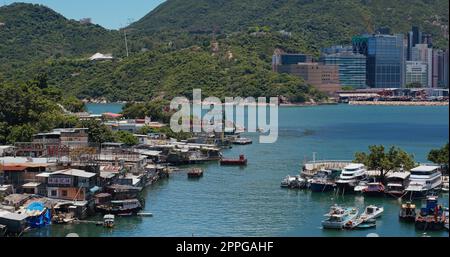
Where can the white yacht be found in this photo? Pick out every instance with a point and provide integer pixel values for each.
(424, 180)
(351, 176)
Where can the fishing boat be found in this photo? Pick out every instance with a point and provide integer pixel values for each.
(431, 216)
(408, 212)
(424, 180)
(242, 161)
(242, 141)
(374, 189)
(298, 183)
(372, 212)
(108, 221)
(338, 217)
(323, 181)
(396, 184)
(128, 207)
(351, 176)
(286, 182)
(195, 173)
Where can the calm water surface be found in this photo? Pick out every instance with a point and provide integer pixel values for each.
(233, 201)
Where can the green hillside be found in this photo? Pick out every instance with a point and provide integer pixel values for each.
(321, 22)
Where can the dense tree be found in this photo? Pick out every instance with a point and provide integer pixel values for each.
(27, 108)
(440, 156)
(377, 158)
(98, 133)
(126, 137)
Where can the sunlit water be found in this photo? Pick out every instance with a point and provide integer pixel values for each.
(233, 201)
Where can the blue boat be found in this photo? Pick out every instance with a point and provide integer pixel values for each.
(323, 181)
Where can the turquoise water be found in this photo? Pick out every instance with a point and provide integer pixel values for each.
(233, 201)
(102, 108)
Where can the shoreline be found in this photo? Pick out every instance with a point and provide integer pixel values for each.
(399, 103)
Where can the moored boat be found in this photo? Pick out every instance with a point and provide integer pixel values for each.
(372, 212)
(242, 141)
(108, 221)
(338, 217)
(424, 180)
(431, 216)
(323, 181)
(374, 189)
(128, 207)
(350, 177)
(408, 212)
(195, 173)
(396, 184)
(242, 161)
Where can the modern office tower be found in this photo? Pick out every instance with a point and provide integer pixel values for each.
(440, 68)
(352, 67)
(414, 38)
(422, 53)
(416, 72)
(417, 36)
(359, 44)
(385, 61)
(427, 39)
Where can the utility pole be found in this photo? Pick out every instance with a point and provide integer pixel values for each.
(126, 42)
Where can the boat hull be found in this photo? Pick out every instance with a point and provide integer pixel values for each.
(373, 193)
(429, 225)
(321, 187)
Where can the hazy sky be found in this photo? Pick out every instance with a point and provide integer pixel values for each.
(111, 14)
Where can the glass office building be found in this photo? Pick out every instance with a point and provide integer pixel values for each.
(352, 67)
(385, 61)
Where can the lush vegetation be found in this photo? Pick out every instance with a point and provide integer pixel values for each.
(440, 156)
(320, 22)
(395, 159)
(171, 46)
(35, 33)
(27, 108)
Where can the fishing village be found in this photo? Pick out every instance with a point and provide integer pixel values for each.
(423, 183)
(61, 178)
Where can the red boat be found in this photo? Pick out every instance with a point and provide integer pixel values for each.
(241, 161)
(374, 189)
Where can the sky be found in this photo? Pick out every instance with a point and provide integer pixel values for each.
(111, 14)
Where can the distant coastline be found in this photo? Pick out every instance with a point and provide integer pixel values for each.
(400, 103)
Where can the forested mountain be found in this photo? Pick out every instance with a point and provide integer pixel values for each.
(172, 49)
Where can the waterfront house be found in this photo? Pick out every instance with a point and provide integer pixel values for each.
(14, 222)
(71, 137)
(21, 170)
(34, 188)
(71, 184)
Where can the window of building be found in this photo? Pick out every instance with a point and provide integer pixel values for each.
(64, 193)
(54, 193)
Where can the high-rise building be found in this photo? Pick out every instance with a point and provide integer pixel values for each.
(414, 38)
(416, 73)
(422, 53)
(359, 44)
(427, 39)
(385, 61)
(440, 68)
(352, 67)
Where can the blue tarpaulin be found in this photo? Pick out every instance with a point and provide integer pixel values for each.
(42, 219)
